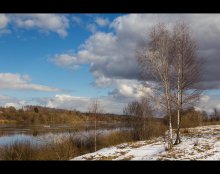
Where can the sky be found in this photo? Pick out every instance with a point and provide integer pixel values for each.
(68, 60)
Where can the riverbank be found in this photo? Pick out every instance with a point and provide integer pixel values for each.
(199, 143)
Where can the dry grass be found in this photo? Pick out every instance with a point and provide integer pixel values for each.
(185, 131)
(218, 138)
(65, 149)
(90, 158)
(7, 121)
(113, 139)
(122, 153)
(18, 151)
(202, 148)
(127, 158)
(176, 154)
(26, 151)
(108, 158)
(71, 147)
(135, 145)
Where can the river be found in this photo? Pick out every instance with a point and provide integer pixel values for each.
(42, 134)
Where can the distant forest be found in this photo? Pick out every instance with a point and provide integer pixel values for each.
(44, 115)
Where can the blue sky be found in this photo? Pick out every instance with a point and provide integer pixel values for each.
(65, 60)
(28, 51)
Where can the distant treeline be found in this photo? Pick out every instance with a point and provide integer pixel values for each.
(193, 118)
(44, 115)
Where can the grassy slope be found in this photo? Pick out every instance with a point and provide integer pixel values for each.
(200, 143)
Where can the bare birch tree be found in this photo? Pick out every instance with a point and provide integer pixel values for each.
(157, 59)
(187, 67)
(173, 61)
(95, 109)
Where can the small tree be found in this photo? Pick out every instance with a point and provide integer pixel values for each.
(36, 110)
(95, 109)
(215, 116)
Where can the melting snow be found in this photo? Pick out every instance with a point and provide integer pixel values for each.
(200, 143)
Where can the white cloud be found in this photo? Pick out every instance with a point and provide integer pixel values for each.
(66, 61)
(204, 99)
(113, 54)
(108, 104)
(7, 101)
(132, 88)
(68, 102)
(21, 82)
(89, 52)
(101, 80)
(126, 90)
(208, 103)
(47, 22)
(102, 22)
(4, 20)
(91, 27)
(12, 104)
(129, 90)
(57, 23)
(77, 20)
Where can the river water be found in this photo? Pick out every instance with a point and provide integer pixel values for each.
(42, 134)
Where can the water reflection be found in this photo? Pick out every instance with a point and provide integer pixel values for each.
(53, 133)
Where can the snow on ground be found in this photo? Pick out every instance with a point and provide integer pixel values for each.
(200, 143)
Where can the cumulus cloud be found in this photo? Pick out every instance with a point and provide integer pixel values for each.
(21, 82)
(77, 20)
(46, 22)
(68, 102)
(208, 103)
(7, 101)
(66, 61)
(108, 104)
(4, 99)
(106, 57)
(111, 55)
(127, 90)
(112, 59)
(91, 27)
(102, 22)
(15, 105)
(57, 23)
(62, 101)
(4, 20)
